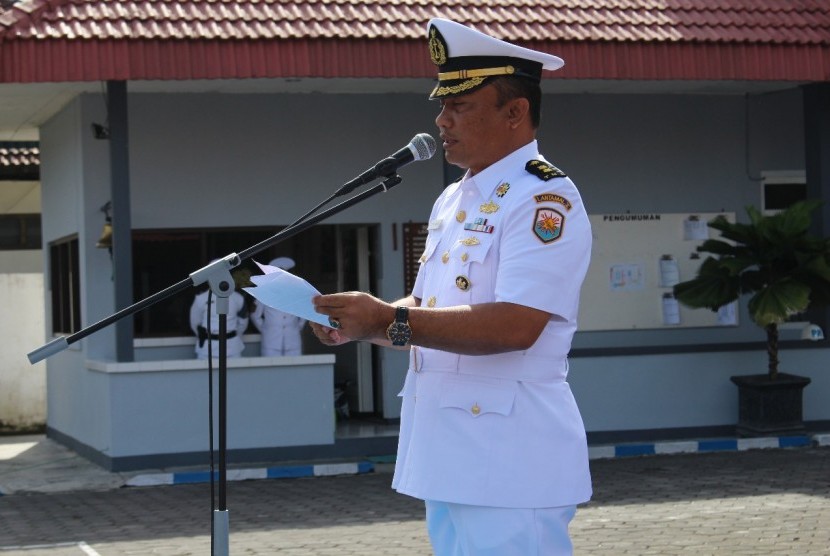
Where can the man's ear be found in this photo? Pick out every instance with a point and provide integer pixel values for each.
(518, 111)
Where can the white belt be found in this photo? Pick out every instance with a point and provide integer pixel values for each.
(515, 365)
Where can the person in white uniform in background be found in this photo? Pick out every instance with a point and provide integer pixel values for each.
(205, 331)
(280, 331)
(491, 437)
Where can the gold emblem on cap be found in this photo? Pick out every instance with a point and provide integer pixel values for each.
(468, 241)
(431, 301)
(489, 207)
(462, 282)
(445, 257)
(437, 47)
(460, 216)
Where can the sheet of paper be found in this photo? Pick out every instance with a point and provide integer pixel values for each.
(286, 292)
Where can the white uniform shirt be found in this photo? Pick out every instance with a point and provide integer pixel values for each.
(237, 322)
(280, 331)
(499, 430)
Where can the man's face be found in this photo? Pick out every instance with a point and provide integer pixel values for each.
(474, 130)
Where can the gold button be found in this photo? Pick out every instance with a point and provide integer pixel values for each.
(475, 410)
(464, 257)
(462, 283)
(445, 257)
(431, 301)
(461, 216)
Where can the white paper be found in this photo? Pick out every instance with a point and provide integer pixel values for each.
(286, 292)
(626, 277)
(695, 230)
(671, 310)
(728, 314)
(669, 272)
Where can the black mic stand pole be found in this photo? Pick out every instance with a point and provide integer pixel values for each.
(220, 281)
(217, 275)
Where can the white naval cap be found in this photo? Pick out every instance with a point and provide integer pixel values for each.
(466, 58)
(285, 263)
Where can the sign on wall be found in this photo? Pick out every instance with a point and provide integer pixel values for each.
(635, 262)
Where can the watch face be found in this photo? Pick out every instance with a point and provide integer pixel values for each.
(399, 333)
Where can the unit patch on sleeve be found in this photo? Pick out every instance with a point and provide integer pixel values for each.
(548, 224)
(544, 170)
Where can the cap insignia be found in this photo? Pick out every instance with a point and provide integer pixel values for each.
(544, 170)
(437, 47)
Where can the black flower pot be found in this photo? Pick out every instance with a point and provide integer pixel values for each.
(770, 407)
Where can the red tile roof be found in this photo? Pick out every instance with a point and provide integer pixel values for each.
(59, 40)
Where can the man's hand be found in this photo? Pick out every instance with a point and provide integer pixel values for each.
(356, 316)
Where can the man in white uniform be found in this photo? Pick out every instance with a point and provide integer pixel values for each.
(207, 329)
(280, 331)
(491, 437)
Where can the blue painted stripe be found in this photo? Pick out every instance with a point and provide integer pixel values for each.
(717, 445)
(634, 450)
(794, 441)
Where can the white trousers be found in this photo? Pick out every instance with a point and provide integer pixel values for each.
(462, 530)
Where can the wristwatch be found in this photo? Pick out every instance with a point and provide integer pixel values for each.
(399, 331)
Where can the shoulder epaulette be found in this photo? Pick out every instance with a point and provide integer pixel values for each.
(544, 170)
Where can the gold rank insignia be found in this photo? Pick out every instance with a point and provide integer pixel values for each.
(462, 282)
(544, 170)
(469, 241)
(502, 189)
(460, 216)
(489, 207)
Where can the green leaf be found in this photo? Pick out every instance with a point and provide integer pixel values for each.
(778, 302)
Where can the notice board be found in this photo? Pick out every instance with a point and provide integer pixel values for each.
(635, 261)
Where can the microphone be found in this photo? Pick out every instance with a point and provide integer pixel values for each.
(421, 147)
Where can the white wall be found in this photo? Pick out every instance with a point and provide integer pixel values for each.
(214, 160)
(22, 385)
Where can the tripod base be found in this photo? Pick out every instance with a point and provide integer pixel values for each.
(221, 530)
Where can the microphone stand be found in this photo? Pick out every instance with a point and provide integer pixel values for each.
(217, 275)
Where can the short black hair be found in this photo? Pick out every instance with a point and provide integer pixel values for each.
(510, 87)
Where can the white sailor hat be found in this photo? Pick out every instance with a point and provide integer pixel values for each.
(467, 58)
(285, 263)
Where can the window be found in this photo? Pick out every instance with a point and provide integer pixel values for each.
(65, 283)
(326, 255)
(780, 189)
(19, 231)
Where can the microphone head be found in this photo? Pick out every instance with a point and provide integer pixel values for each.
(422, 146)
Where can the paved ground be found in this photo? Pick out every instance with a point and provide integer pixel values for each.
(774, 501)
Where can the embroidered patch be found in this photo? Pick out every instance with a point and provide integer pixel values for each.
(548, 224)
(544, 170)
(502, 189)
(553, 198)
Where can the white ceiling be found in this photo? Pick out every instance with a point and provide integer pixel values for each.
(24, 107)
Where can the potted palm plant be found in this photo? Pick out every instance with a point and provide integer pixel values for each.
(786, 270)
